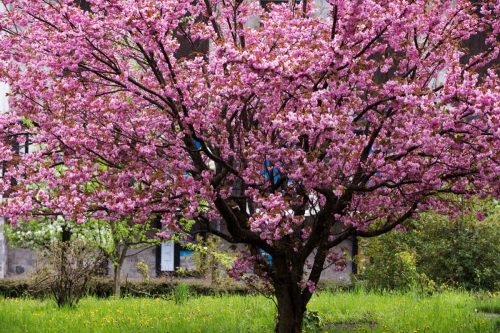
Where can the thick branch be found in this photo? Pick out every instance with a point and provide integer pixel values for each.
(389, 225)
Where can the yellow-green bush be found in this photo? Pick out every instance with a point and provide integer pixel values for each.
(463, 252)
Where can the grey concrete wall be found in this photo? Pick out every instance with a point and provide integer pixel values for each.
(134, 256)
(334, 274)
(20, 262)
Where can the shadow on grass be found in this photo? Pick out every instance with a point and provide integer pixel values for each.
(350, 326)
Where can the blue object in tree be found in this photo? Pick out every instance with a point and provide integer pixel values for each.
(197, 144)
(267, 257)
(273, 172)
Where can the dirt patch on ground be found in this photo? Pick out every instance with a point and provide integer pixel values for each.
(350, 325)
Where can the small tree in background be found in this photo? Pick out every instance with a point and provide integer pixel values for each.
(40, 234)
(113, 240)
(210, 259)
(125, 236)
(69, 255)
(34, 235)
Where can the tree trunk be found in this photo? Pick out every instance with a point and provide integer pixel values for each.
(66, 234)
(117, 267)
(117, 280)
(61, 289)
(290, 309)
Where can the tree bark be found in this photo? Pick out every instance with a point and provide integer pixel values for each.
(117, 280)
(117, 267)
(66, 234)
(290, 309)
(287, 275)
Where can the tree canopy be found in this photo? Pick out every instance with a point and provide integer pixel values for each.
(295, 129)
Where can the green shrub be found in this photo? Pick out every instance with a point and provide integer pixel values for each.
(160, 287)
(210, 260)
(143, 269)
(312, 322)
(461, 253)
(437, 251)
(12, 288)
(333, 286)
(393, 266)
(103, 287)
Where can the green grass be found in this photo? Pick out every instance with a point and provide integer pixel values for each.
(489, 305)
(349, 311)
(411, 312)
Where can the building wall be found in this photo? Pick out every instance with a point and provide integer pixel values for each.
(342, 276)
(4, 105)
(3, 251)
(129, 269)
(20, 262)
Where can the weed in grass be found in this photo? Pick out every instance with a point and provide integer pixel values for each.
(181, 293)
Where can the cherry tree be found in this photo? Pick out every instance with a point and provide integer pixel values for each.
(297, 130)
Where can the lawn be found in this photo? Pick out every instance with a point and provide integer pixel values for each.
(340, 312)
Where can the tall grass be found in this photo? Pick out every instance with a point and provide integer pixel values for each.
(181, 293)
(348, 311)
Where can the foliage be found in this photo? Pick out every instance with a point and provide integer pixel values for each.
(12, 288)
(103, 287)
(65, 270)
(461, 252)
(392, 266)
(209, 258)
(107, 236)
(391, 312)
(41, 234)
(157, 287)
(33, 235)
(126, 233)
(312, 322)
(114, 239)
(470, 257)
(143, 269)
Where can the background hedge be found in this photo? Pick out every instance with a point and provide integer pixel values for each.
(102, 287)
